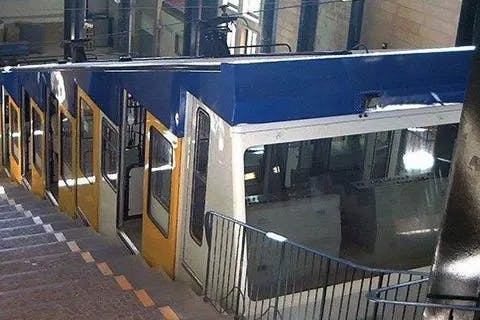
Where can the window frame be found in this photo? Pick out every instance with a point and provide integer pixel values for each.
(198, 241)
(165, 233)
(106, 123)
(35, 114)
(15, 125)
(63, 115)
(82, 163)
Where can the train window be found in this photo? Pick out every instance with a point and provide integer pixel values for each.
(356, 196)
(110, 154)
(38, 134)
(161, 167)
(199, 183)
(15, 134)
(86, 141)
(66, 150)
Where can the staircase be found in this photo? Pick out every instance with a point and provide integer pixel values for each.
(52, 267)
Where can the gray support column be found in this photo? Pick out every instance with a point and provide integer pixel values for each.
(80, 17)
(355, 27)
(456, 269)
(68, 24)
(269, 17)
(308, 26)
(209, 10)
(125, 26)
(192, 15)
(469, 23)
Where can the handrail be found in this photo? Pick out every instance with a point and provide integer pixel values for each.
(336, 259)
(255, 274)
(376, 297)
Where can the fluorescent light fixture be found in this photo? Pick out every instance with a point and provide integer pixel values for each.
(417, 129)
(419, 231)
(419, 160)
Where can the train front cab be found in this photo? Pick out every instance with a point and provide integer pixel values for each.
(353, 187)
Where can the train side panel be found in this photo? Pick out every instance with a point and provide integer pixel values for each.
(161, 194)
(88, 169)
(37, 149)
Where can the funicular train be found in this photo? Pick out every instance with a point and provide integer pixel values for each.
(348, 154)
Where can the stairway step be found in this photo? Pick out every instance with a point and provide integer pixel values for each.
(21, 231)
(16, 222)
(160, 288)
(11, 214)
(33, 251)
(29, 240)
(93, 244)
(86, 312)
(87, 296)
(79, 233)
(57, 273)
(39, 263)
(65, 225)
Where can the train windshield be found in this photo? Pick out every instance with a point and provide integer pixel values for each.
(374, 198)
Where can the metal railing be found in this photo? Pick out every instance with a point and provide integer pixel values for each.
(411, 301)
(253, 274)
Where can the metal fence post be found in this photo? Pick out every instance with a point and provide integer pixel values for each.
(279, 280)
(208, 231)
(375, 306)
(240, 272)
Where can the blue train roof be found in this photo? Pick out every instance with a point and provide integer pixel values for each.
(256, 90)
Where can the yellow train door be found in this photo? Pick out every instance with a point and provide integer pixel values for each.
(37, 149)
(65, 142)
(161, 191)
(15, 143)
(88, 158)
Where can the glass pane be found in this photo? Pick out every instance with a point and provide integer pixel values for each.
(66, 150)
(110, 154)
(252, 6)
(381, 154)
(38, 134)
(161, 168)
(15, 134)
(86, 141)
(319, 193)
(199, 183)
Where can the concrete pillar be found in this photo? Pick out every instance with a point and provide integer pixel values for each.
(455, 275)
(308, 26)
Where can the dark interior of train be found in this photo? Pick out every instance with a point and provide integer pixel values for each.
(353, 192)
(131, 221)
(52, 148)
(26, 136)
(375, 199)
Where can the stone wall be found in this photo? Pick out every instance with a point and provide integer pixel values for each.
(410, 23)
